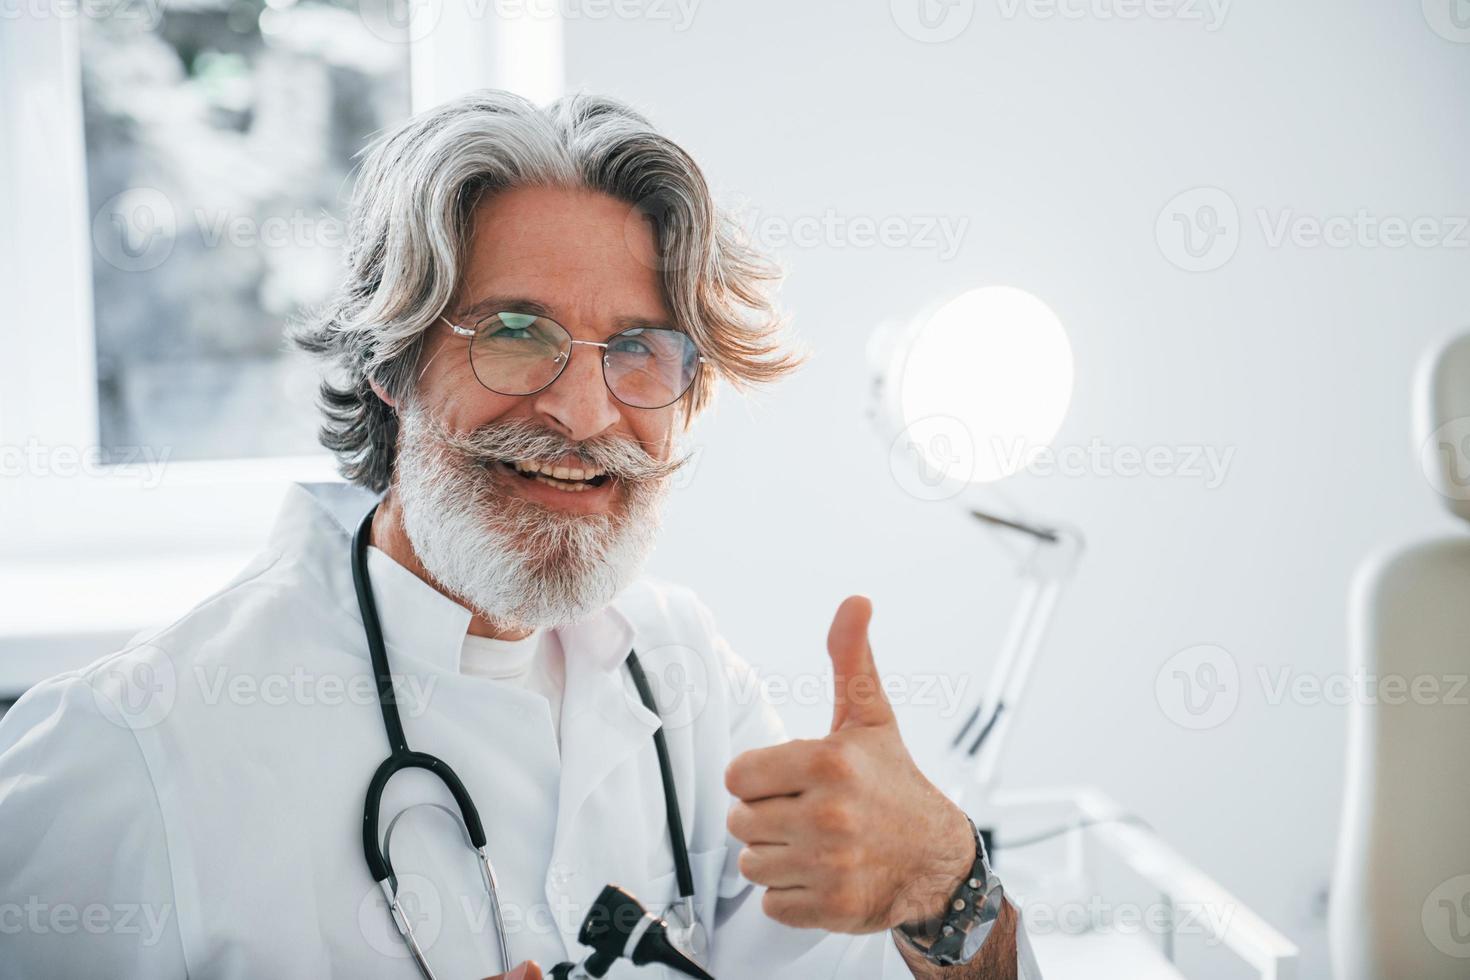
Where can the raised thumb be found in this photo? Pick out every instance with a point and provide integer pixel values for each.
(858, 697)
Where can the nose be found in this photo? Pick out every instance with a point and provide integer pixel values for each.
(577, 404)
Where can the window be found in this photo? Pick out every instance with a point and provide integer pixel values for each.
(219, 142)
(173, 179)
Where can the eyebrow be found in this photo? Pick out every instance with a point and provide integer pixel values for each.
(487, 305)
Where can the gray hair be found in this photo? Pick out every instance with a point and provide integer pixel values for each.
(410, 227)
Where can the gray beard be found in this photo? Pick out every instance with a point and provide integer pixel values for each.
(514, 562)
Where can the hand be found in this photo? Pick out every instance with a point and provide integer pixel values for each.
(523, 971)
(844, 831)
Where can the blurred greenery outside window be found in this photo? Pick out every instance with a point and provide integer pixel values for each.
(220, 142)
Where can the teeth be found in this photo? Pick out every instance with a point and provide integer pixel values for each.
(558, 472)
(571, 487)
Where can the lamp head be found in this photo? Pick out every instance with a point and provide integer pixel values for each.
(979, 384)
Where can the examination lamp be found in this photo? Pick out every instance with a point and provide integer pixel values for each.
(966, 394)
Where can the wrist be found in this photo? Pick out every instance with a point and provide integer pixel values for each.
(950, 866)
(967, 919)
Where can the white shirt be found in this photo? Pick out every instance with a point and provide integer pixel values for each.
(192, 805)
(533, 663)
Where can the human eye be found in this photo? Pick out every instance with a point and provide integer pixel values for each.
(507, 328)
(626, 344)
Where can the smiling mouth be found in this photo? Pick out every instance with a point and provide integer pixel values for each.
(570, 479)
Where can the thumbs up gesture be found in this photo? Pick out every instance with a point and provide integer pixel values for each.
(844, 831)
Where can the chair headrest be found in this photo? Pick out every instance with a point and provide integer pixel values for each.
(1442, 422)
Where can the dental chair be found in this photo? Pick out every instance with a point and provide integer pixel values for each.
(1400, 902)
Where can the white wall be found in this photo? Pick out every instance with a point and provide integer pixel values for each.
(1061, 140)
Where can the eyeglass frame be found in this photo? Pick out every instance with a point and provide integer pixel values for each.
(469, 333)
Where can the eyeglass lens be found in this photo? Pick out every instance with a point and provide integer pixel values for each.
(520, 353)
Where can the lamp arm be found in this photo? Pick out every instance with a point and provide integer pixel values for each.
(1045, 572)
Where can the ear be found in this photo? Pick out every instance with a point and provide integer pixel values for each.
(383, 394)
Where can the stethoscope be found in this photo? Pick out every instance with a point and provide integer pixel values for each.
(689, 931)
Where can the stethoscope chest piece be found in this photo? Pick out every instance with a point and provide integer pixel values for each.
(686, 930)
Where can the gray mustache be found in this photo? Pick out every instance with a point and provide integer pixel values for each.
(524, 439)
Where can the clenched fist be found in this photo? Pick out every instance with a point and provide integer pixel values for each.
(844, 831)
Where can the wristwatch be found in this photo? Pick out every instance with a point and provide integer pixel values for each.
(969, 919)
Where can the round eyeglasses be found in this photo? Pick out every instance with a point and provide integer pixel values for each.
(522, 353)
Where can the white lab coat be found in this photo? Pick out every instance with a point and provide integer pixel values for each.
(193, 805)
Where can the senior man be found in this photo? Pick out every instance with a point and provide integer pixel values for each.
(537, 304)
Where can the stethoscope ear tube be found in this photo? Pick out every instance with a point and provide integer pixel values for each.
(378, 863)
(402, 756)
